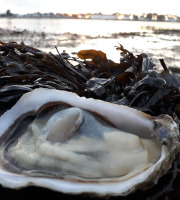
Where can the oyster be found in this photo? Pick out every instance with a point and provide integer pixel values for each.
(58, 140)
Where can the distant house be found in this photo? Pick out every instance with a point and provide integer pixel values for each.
(142, 18)
(37, 15)
(178, 19)
(170, 18)
(102, 16)
(126, 17)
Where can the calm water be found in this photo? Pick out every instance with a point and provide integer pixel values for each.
(73, 35)
(89, 27)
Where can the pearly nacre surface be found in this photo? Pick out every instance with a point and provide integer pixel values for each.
(58, 140)
(73, 142)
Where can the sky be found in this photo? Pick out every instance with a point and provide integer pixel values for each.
(92, 6)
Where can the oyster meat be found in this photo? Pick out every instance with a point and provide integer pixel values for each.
(77, 145)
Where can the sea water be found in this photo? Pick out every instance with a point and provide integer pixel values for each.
(157, 39)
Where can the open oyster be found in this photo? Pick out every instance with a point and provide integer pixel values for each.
(58, 140)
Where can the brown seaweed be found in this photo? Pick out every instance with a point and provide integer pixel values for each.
(97, 57)
(133, 81)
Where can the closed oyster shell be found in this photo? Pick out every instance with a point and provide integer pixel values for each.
(85, 155)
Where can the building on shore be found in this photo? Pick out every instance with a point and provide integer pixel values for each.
(103, 16)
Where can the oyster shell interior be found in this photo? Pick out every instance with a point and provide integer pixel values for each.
(72, 144)
(75, 143)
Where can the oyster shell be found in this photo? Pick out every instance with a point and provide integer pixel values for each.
(58, 140)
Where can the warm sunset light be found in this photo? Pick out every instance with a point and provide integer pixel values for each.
(90, 99)
(92, 6)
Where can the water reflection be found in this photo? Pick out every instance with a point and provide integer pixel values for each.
(92, 27)
(158, 39)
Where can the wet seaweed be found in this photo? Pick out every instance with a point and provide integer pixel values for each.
(134, 81)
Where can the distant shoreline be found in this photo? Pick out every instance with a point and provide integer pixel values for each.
(96, 16)
(88, 19)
